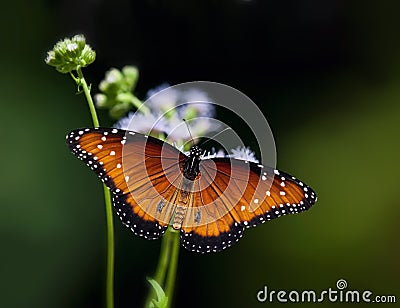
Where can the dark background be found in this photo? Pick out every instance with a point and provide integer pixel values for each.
(326, 75)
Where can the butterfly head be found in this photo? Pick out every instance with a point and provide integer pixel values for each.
(195, 151)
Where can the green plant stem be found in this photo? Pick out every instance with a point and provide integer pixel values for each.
(167, 264)
(110, 250)
(107, 197)
(173, 265)
(86, 90)
(139, 105)
(163, 260)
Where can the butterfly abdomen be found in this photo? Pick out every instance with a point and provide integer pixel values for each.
(179, 216)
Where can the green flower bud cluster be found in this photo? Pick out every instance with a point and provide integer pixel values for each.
(117, 91)
(71, 54)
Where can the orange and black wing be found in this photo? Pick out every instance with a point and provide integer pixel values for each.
(142, 173)
(232, 195)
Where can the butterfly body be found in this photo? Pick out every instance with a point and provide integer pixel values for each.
(211, 201)
(182, 201)
(191, 164)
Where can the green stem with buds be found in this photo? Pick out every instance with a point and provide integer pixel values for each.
(80, 80)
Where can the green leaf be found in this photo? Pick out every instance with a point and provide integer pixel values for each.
(162, 300)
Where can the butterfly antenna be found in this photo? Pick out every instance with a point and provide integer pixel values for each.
(190, 133)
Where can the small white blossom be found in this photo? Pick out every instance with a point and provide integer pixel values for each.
(141, 123)
(200, 101)
(176, 129)
(244, 153)
(167, 111)
(164, 101)
(183, 102)
(72, 46)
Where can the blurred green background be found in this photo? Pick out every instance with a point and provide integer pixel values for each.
(326, 75)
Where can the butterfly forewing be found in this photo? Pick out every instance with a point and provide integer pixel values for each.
(128, 164)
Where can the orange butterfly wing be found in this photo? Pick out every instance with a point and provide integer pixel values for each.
(129, 165)
(236, 195)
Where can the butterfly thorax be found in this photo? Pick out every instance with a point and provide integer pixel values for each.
(191, 164)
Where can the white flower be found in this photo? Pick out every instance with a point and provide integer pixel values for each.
(168, 109)
(141, 123)
(244, 153)
(162, 101)
(176, 128)
(200, 101)
(186, 103)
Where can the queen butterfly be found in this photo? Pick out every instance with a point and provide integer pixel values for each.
(210, 200)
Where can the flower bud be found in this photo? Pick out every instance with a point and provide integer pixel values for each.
(70, 54)
(131, 74)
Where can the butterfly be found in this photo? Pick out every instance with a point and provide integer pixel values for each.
(211, 201)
